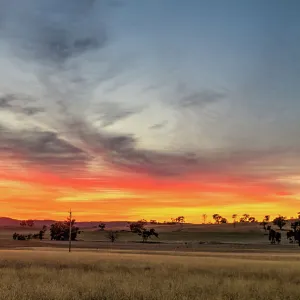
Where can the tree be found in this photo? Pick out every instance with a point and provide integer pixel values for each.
(234, 216)
(223, 220)
(136, 226)
(265, 222)
(21, 237)
(153, 222)
(23, 223)
(59, 231)
(180, 219)
(280, 221)
(204, 217)
(30, 223)
(295, 225)
(252, 220)
(112, 235)
(217, 218)
(245, 218)
(146, 234)
(102, 226)
(42, 232)
(143, 221)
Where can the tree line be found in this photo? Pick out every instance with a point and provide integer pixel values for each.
(59, 231)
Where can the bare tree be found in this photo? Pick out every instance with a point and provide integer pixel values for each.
(234, 216)
(112, 235)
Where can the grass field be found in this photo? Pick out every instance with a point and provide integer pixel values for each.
(200, 262)
(57, 274)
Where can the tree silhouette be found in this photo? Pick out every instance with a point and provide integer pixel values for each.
(204, 217)
(146, 234)
(29, 223)
(265, 222)
(136, 226)
(180, 219)
(112, 235)
(234, 216)
(280, 221)
(252, 220)
(245, 218)
(102, 226)
(59, 231)
(143, 221)
(223, 220)
(23, 223)
(217, 218)
(42, 232)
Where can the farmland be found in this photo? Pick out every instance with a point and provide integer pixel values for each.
(198, 262)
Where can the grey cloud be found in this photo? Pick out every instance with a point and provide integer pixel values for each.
(5, 101)
(44, 148)
(53, 30)
(19, 104)
(122, 152)
(200, 99)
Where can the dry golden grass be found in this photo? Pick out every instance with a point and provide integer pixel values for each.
(57, 274)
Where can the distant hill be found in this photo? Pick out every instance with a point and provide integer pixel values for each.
(9, 222)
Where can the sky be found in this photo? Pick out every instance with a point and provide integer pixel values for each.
(123, 110)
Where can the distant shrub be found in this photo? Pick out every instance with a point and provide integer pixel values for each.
(102, 226)
(20, 237)
(112, 235)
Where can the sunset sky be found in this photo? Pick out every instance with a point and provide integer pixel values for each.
(134, 109)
